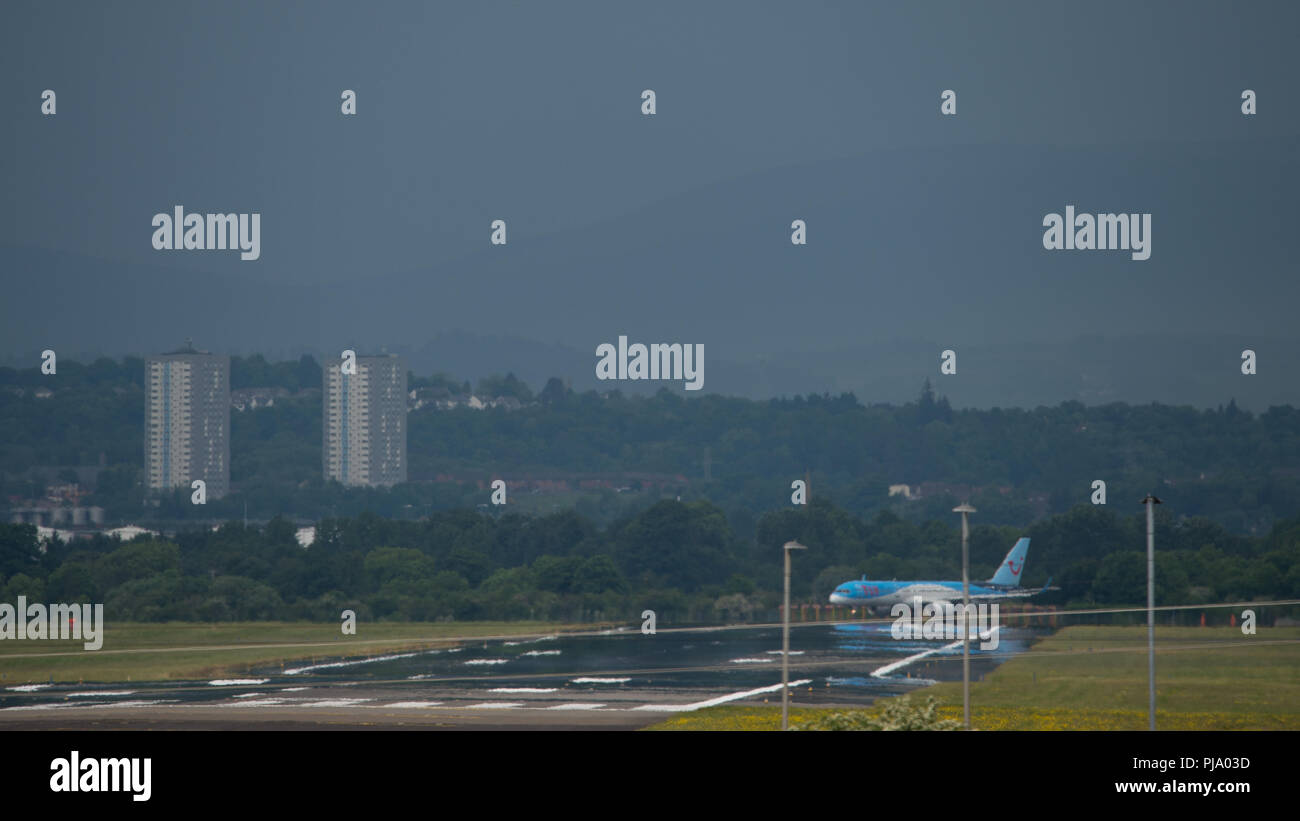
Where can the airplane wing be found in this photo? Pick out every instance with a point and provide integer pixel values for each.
(1014, 593)
(1010, 594)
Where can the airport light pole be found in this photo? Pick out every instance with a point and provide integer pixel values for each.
(965, 509)
(785, 639)
(1151, 501)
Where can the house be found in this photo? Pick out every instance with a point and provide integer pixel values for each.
(254, 398)
(427, 397)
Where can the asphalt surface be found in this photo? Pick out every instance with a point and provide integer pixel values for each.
(608, 682)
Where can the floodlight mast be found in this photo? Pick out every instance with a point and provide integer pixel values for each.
(964, 509)
(1150, 501)
(785, 639)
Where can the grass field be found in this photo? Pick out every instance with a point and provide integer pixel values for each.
(1095, 678)
(186, 650)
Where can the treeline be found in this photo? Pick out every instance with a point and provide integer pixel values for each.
(1227, 464)
(683, 560)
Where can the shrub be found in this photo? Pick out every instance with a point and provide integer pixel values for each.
(896, 714)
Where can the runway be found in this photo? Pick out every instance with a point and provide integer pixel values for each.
(620, 680)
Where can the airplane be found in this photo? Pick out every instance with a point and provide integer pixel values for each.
(1005, 584)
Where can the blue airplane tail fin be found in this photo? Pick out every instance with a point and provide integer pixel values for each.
(1009, 571)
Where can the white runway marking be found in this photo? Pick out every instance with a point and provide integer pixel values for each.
(407, 705)
(889, 668)
(713, 702)
(85, 706)
(495, 705)
(295, 671)
(575, 706)
(523, 690)
(600, 681)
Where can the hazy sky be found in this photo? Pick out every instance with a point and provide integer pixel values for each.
(530, 112)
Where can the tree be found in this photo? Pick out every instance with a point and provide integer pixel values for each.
(556, 573)
(234, 598)
(474, 565)
(72, 582)
(19, 550)
(1121, 579)
(510, 385)
(554, 392)
(138, 560)
(597, 574)
(388, 564)
(678, 544)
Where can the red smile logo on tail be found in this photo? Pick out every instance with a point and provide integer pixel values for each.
(1015, 571)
